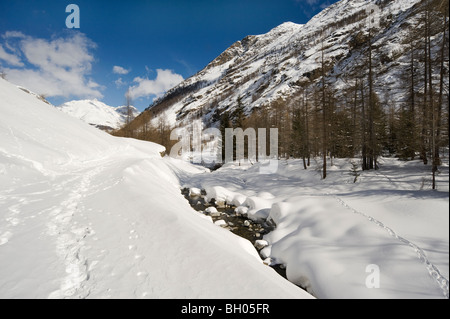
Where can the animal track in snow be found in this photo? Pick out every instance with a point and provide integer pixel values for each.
(434, 272)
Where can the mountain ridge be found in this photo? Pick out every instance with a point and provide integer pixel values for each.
(262, 68)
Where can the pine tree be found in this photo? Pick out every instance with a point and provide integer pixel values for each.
(437, 111)
(407, 130)
(299, 135)
(239, 114)
(324, 113)
(225, 122)
(129, 116)
(372, 106)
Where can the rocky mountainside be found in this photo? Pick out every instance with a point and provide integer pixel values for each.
(98, 113)
(263, 68)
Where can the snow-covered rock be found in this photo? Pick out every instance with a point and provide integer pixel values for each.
(238, 200)
(221, 223)
(259, 208)
(266, 252)
(261, 243)
(212, 211)
(195, 192)
(241, 210)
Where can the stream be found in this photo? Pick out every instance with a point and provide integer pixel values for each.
(227, 217)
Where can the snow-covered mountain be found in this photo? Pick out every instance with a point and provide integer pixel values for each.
(98, 114)
(281, 63)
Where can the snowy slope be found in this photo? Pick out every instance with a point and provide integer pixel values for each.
(331, 234)
(87, 215)
(98, 113)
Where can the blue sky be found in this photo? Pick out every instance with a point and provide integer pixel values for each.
(147, 46)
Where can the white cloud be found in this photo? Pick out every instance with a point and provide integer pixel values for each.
(13, 34)
(165, 80)
(120, 70)
(119, 83)
(9, 58)
(57, 67)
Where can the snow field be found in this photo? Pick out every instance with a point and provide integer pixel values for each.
(330, 233)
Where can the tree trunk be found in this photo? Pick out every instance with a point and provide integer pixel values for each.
(324, 118)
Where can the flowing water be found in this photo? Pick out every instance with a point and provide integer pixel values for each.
(236, 223)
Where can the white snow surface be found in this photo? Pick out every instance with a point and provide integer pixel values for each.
(87, 215)
(331, 234)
